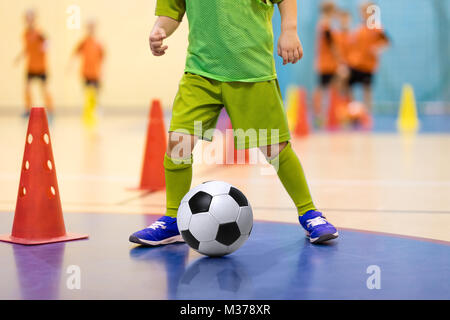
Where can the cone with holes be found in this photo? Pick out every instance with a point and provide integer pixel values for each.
(38, 218)
(152, 177)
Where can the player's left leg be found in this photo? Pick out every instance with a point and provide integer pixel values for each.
(292, 176)
(90, 101)
(343, 81)
(326, 81)
(367, 96)
(258, 108)
(46, 94)
(28, 98)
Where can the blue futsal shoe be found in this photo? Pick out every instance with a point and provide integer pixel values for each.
(318, 229)
(161, 232)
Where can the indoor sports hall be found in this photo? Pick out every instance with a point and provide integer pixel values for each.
(82, 148)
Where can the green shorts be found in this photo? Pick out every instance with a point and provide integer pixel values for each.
(255, 109)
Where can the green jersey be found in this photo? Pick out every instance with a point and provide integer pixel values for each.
(229, 40)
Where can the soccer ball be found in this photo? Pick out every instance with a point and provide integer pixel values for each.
(215, 218)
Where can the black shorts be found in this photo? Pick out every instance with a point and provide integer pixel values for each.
(38, 76)
(360, 77)
(92, 82)
(325, 79)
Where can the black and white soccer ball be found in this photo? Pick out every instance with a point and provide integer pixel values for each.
(215, 218)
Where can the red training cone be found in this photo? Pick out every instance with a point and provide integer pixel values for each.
(152, 177)
(38, 218)
(302, 127)
(333, 110)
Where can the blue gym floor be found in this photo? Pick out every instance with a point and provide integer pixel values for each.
(277, 262)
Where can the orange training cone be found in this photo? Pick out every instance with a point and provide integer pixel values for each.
(343, 109)
(152, 178)
(302, 126)
(333, 110)
(38, 218)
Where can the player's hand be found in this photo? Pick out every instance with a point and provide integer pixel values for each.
(289, 47)
(157, 37)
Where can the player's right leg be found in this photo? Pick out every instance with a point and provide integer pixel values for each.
(198, 103)
(178, 169)
(27, 96)
(325, 81)
(178, 174)
(48, 100)
(90, 101)
(317, 103)
(367, 97)
(343, 81)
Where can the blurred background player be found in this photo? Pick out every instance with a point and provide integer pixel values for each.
(92, 55)
(326, 57)
(34, 51)
(217, 76)
(366, 45)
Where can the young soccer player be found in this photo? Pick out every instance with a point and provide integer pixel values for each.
(230, 64)
(92, 54)
(327, 60)
(366, 45)
(34, 51)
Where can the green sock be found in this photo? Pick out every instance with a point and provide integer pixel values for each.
(178, 182)
(292, 177)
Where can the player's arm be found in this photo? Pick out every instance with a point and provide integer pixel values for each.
(102, 53)
(44, 42)
(170, 13)
(384, 39)
(381, 41)
(77, 50)
(163, 28)
(289, 45)
(21, 55)
(73, 57)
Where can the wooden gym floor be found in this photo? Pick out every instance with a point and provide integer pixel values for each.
(372, 186)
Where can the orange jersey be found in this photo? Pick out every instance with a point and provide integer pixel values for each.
(365, 45)
(34, 43)
(326, 59)
(91, 53)
(343, 46)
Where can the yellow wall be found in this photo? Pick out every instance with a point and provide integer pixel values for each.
(132, 76)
